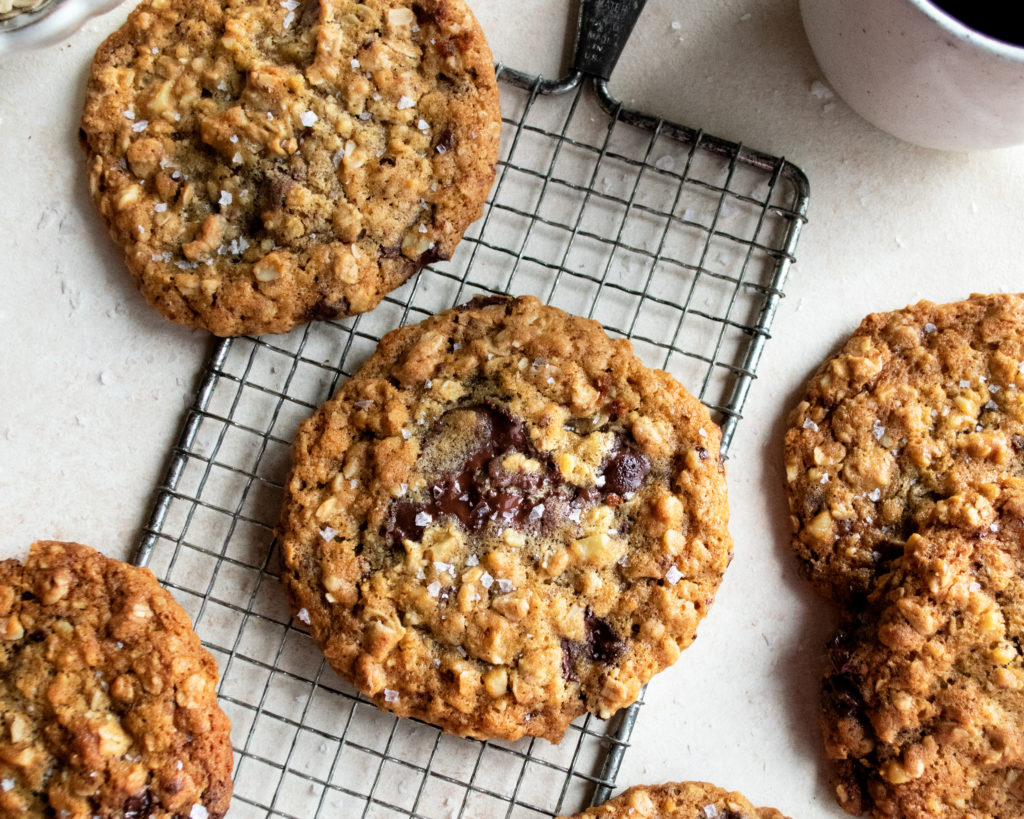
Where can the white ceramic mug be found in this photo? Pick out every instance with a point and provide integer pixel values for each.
(918, 73)
(49, 23)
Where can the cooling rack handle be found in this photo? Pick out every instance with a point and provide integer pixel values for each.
(604, 27)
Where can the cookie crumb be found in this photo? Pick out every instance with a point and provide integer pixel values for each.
(820, 91)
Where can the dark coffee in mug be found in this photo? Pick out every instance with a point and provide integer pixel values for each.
(999, 19)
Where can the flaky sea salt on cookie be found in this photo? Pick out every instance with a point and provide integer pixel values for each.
(505, 520)
(917, 405)
(108, 703)
(263, 163)
(679, 800)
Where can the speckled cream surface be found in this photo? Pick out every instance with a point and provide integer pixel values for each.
(92, 384)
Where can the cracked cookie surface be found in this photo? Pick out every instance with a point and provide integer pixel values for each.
(923, 710)
(265, 163)
(504, 520)
(108, 702)
(917, 405)
(679, 800)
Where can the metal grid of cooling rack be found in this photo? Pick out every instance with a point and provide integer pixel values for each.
(677, 240)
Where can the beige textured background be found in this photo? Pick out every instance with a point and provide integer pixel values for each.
(92, 385)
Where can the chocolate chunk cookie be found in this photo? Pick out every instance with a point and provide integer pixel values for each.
(917, 405)
(504, 520)
(108, 704)
(678, 800)
(924, 706)
(263, 163)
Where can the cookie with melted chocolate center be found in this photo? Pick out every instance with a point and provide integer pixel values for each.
(505, 520)
(264, 163)
(679, 800)
(108, 703)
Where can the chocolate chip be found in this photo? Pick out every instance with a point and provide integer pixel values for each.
(324, 310)
(506, 432)
(1017, 442)
(429, 256)
(508, 507)
(840, 650)
(625, 470)
(471, 495)
(482, 491)
(427, 16)
(603, 644)
(403, 524)
(139, 806)
(446, 142)
(477, 302)
(841, 697)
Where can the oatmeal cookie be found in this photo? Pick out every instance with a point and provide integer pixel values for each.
(263, 163)
(107, 701)
(678, 800)
(919, 404)
(924, 707)
(504, 520)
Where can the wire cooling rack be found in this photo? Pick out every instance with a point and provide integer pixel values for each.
(677, 240)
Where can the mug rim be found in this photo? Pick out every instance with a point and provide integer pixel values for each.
(960, 30)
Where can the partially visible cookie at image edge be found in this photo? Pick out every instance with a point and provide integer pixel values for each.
(923, 709)
(108, 702)
(678, 800)
(505, 520)
(264, 163)
(917, 404)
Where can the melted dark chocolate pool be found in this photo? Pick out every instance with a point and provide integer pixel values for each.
(480, 491)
